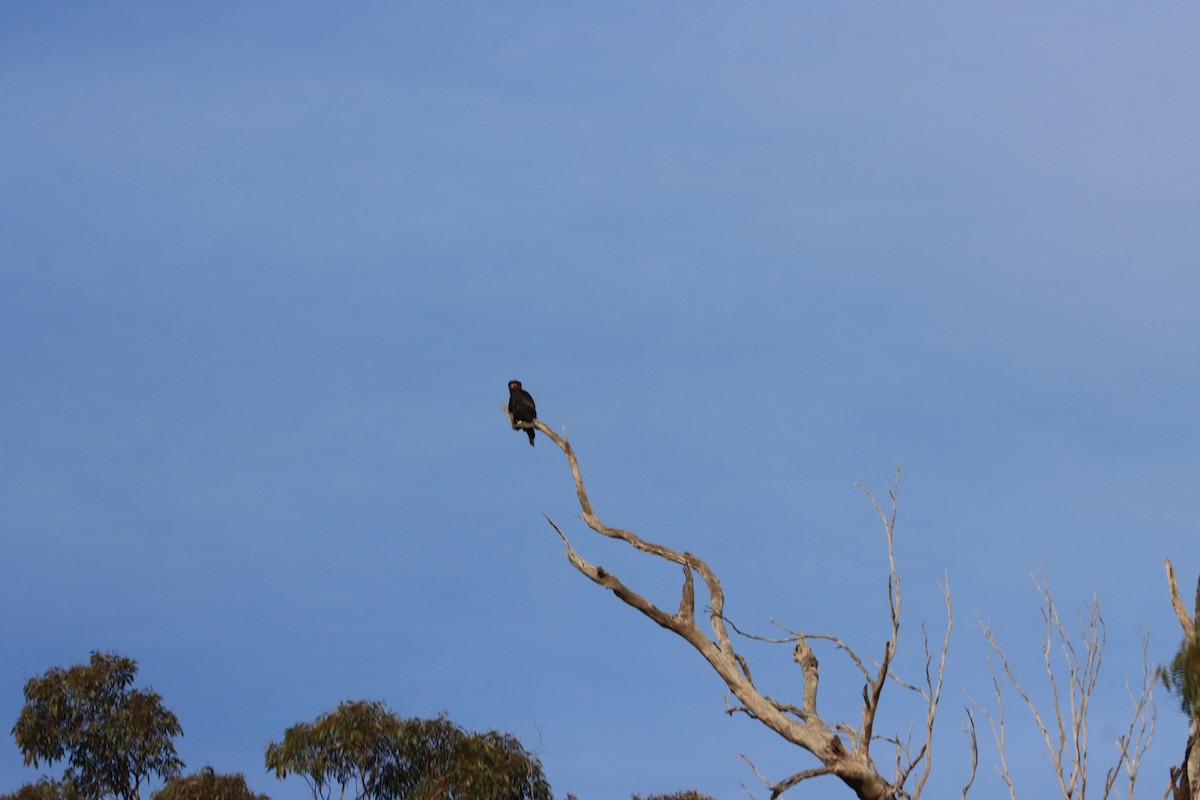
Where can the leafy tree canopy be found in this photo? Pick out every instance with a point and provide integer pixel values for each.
(366, 751)
(1182, 676)
(45, 789)
(208, 785)
(113, 737)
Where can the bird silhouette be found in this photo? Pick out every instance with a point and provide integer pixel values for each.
(521, 407)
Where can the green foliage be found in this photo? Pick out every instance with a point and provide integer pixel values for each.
(442, 760)
(347, 747)
(208, 785)
(1182, 677)
(690, 794)
(114, 737)
(45, 789)
(366, 751)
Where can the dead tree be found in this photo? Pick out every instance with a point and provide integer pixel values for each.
(840, 749)
(1072, 667)
(1185, 779)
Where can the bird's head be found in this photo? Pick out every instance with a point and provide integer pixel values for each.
(514, 385)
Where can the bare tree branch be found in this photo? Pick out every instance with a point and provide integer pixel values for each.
(999, 733)
(933, 696)
(874, 688)
(789, 782)
(973, 742)
(1185, 779)
(1067, 744)
(1186, 621)
(802, 726)
(1132, 744)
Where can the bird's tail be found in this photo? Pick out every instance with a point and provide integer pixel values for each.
(530, 432)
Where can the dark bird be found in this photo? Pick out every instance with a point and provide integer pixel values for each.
(521, 407)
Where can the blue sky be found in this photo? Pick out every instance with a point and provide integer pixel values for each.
(266, 268)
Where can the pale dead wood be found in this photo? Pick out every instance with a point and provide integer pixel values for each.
(841, 750)
(1067, 742)
(874, 688)
(932, 693)
(1132, 744)
(1185, 779)
(1186, 621)
(973, 743)
(999, 732)
(777, 788)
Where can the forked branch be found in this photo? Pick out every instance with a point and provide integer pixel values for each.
(841, 751)
(1065, 733)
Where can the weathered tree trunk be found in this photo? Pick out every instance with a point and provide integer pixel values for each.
(1192, 757)
(1185, 779)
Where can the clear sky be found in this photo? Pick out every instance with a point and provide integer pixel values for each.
(266, 268)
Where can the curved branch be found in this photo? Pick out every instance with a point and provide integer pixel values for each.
(802, 727)
(1186, 620)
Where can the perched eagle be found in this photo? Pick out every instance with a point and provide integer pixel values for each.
(521, 407)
